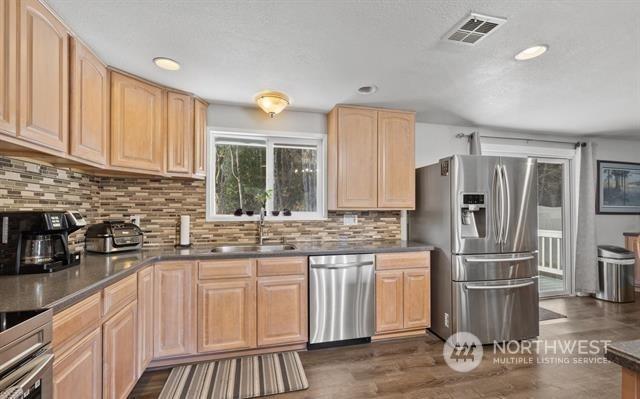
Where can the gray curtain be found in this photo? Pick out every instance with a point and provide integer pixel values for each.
(474, 144)
(585, 248)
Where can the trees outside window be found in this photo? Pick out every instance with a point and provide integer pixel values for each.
(243, 167)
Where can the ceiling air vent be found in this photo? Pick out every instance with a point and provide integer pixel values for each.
(474, 28)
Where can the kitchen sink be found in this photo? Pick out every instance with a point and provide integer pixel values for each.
(252, 248)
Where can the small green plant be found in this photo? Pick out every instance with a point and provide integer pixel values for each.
(263, 196)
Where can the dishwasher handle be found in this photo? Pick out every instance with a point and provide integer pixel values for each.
(340, 265)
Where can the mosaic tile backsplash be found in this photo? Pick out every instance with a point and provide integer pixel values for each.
(26, 184)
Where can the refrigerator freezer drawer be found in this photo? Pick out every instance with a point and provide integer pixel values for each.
(494, 266)
(497, 310)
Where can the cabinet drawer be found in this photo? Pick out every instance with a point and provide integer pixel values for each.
(119, 295)
(402, 260)
(282, 266)
(70, 325)
(227, 268)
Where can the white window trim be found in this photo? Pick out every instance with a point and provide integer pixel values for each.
(270, 137)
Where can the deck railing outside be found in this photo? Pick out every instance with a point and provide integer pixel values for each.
(550, 257)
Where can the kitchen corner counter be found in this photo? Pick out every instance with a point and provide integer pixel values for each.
(61, 289)
(631, 233)
(626, 354)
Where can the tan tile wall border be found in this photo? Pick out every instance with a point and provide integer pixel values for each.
(26, 184)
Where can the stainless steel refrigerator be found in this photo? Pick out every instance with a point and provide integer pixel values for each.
(480, 212)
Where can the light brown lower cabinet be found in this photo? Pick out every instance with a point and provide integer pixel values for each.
(77, 372)
(226, 315)
(282, 310)
(174, 313)
(403, 293)
(145, 318)
(417, 298)
(389, 301)
(120, 366)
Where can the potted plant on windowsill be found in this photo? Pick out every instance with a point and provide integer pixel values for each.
(263, 196)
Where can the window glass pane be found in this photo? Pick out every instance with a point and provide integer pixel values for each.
(295, 173)
(240, 177)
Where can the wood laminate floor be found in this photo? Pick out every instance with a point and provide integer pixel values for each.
(415, 368)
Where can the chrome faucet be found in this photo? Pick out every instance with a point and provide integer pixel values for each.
(261, 227)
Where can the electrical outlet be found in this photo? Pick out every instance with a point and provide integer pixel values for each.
(446, 320)
(350, 219)
(135, 219)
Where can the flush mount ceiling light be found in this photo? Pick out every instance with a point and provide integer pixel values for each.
(272, 102)
(367, 89)
(166, 63)
(532, 52)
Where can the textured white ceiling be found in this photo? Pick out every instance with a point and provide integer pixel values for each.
(320, 52)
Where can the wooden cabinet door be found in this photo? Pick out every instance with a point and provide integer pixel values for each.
(200, 138)
(77, 373)
(8, 64)
(396, 160)
(137, 127)
(282, 310)
(173, 304)
(633, 244)
(417, 299)
(145, 318)
(227, 315)
(179, 133)
(389, 299)
(120, 366)
(89, 105)
(357, 147)
(44, 77)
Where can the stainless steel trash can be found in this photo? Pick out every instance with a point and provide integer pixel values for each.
(616, 274)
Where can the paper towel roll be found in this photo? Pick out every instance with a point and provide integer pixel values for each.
(185, 221)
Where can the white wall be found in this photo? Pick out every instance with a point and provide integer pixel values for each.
(254, 119)
(434, 142)
(611, 227)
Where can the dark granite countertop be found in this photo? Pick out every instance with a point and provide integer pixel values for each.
(631, 233)
(61, 289)
(626, 354)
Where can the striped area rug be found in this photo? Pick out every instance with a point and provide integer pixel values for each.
(245, 377)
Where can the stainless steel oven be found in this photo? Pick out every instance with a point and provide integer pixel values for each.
(26, 359)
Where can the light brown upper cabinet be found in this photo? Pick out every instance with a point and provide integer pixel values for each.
(353, 159)
(396, 160)
(370, 158)
(89, 105)
(44, 77)
(200, 138)
(8, 64)
(137, 128)
(179, 133)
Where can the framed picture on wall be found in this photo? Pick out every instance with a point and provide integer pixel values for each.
(618, 188)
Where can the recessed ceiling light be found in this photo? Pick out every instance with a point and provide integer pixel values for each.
(367, 89)
(532, 52)
(166, 63)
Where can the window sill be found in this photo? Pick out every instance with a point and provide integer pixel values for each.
(269, 219)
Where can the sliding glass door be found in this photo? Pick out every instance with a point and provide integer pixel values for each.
(554, 221)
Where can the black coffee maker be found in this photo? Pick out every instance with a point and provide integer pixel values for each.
(37, 241)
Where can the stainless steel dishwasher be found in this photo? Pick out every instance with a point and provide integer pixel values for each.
(341, 298)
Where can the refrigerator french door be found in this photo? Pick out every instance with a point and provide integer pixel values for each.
(481, 214)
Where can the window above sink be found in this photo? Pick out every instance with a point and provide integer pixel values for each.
(243, 166)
